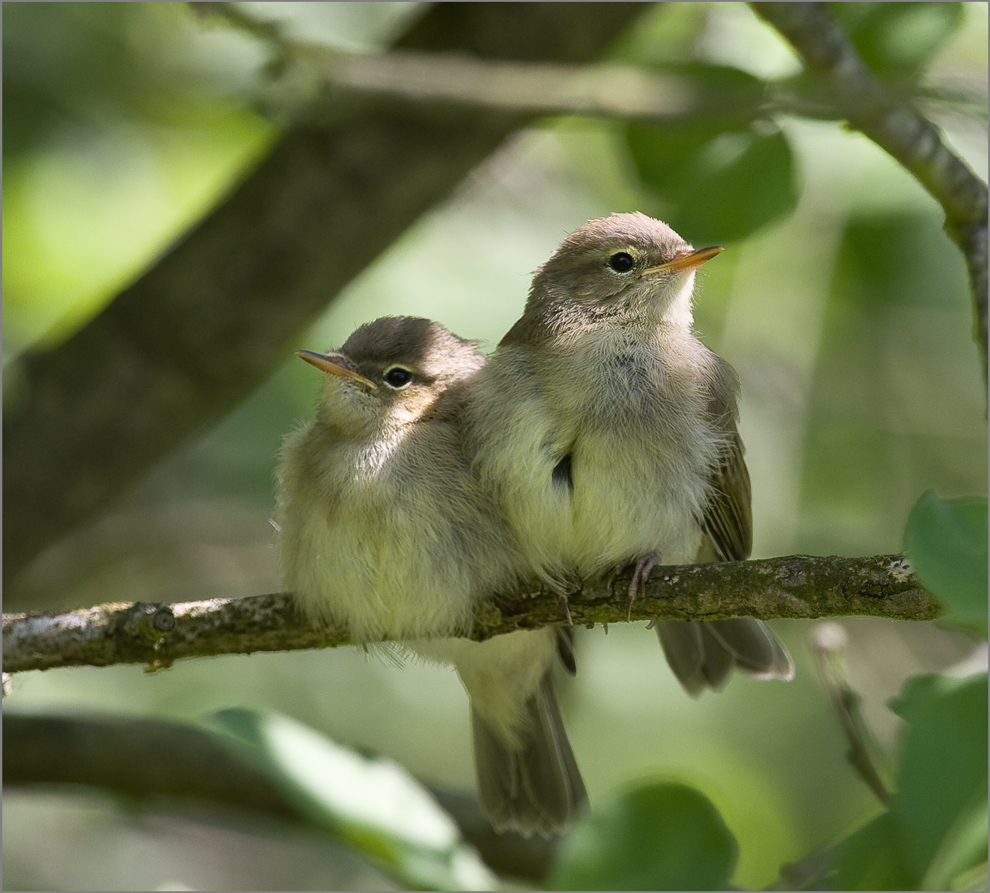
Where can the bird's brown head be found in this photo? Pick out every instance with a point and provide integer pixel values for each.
(391, 370)
(622, 264)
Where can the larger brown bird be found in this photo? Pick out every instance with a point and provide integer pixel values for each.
(608, 431)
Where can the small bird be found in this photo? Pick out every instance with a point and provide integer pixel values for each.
(385, 527)
(608, 431)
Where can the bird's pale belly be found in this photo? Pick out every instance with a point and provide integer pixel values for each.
(615, 511)
(620, 512)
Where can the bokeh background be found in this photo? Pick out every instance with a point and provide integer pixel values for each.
(848, 319)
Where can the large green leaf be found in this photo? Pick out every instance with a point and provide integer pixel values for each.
(934, 837)
(372, 803)
(961, 857)
(654, 837)
(872, 858)
(946, 540)
(942, 781)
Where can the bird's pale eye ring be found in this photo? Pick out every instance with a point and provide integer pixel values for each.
(397, 377)
(621, 262)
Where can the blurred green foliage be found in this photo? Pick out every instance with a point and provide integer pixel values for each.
(935, 831)
(839, 300)
(88, 71)
(654, 837)
(720, 179)
(371, 803)
(122, 125)
(898, 40)
(947, 541)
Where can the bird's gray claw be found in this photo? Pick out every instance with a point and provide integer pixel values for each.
(567, 610)
(640, 575)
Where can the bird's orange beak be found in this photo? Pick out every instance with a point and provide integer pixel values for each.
(325, 364)
(687, 261)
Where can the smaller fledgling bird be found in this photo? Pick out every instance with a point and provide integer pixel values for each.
(386, 528)
(608, 431)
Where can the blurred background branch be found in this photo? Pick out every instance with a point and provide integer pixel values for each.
(776, 588)
(423, 80)
(898, 128)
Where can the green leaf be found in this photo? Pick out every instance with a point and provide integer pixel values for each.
(872, 858)
(946, 540)
(721, 175)
(662, 152)
(934, 837)
(942, 781)
(898, 40)
(653, 837)
(716, 187)
(372, 803)
(963, 849)
(974, 879)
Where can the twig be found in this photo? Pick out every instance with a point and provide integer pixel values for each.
(828, 642)
(504, 86)
(156, 634)
(899, 130)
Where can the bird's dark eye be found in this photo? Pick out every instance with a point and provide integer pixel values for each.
(621, 262)
(397, 377)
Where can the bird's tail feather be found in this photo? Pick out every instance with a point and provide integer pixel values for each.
(533, 784)
(703, 654)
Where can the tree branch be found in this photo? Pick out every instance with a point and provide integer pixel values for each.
(83, 421)
(426, 79)
(899, 130)
(796, 586)
(612, 91)
(163, 765)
